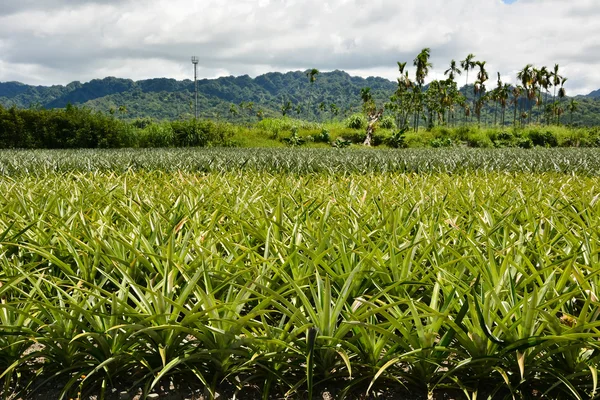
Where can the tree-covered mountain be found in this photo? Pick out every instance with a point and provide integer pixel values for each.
(230, 97)
(328, 95)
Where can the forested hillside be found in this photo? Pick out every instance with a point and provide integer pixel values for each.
(329, 95)
(233, 98)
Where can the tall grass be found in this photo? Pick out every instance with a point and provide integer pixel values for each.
(482, 282)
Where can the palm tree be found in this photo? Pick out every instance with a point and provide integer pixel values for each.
(562, 93)
(572, 107)
(312, 78)
(516, 92)
(453, 70)
(468, 64)
(401, 100)
(543, 81)
(496, 95)
(527, 78)
(504, 100)
(482, 77)
(233, 110)
(555, 79)
(422, 64)
(334, 109)
(286, 107)
(366, 96)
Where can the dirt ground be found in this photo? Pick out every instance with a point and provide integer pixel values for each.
(52, 391)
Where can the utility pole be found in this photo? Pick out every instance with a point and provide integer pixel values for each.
(195, 62)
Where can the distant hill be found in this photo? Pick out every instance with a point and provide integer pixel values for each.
(163, 98)
(594, 95)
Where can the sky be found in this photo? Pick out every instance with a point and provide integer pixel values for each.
(47, 42)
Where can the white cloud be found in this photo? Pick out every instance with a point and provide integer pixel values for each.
(64, 40)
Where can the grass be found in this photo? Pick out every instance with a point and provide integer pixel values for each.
(136, 268)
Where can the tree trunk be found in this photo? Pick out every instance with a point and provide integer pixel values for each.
(372, 119)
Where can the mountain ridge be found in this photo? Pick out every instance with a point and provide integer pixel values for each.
(236, 98)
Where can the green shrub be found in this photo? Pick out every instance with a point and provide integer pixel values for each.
(340, 143)
(201, 133)
(524, 143)
(156, 135)
(542, 138)
(323, 137)
(294, 139)
(387, 122)
(356, 121)
(478, 138)
(397, 139)
(441, 142)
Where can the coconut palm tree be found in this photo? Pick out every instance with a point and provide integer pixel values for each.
(555, 79)
(401, 100)
(542, 79)
(312, 78)
(286, 107)
(572, 107)
(233, 110)
(562, 93)
(482, 77)
(503, 99)
(423, 65)
(516, 92)
(527, 78)
(467, 64)
(453, 70)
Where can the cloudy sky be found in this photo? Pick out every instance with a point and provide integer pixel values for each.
(59, 41)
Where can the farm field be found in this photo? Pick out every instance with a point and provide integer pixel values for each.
(301, 273)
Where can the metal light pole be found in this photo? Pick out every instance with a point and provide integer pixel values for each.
(195, 62)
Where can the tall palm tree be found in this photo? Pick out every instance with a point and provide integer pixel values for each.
(482, 77)
(562, 93)
(312, 78)
(468, 64)
(542, 79)
(572, 107)
(453, 70)
(423, 65)
(503, 99)
(516, 92)
(496, 95)
(527, 78)
(401, 100)
(555, 79)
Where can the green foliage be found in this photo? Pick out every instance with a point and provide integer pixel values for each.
(314, 270)
(294, 139)
(69, 128)
(356, 121)
(543, 138)
(201, 133)
(168, 99)
(76, 127)
(397, 139)
(340, 143)
(387, 122)
(445, 142)
(323, 136)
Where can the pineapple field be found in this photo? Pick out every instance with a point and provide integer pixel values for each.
(295, 273)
